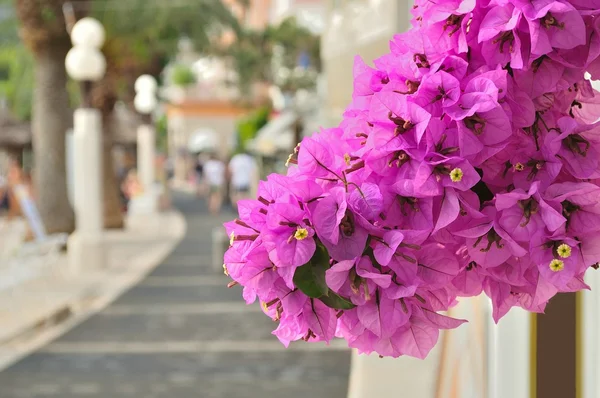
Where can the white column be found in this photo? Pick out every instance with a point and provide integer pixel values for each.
(70, 153)
(85, 245)
(509, 345)
(590, 347)
(146, 156)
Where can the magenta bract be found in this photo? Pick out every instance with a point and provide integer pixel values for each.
(467, 162)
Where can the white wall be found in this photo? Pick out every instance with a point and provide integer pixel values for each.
(345, 37)
(509, 355)
(591, 331)
(310, 14)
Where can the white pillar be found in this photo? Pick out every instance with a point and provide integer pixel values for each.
(509, 345)
(146, 156)
(85, 244)
(590, 330)
(70, 153)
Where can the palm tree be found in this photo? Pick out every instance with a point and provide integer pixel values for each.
(42, 29)
(104, 98)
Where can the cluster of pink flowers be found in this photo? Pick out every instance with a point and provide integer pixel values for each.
(467, 162)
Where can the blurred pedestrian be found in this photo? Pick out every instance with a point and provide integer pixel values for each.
(14, 178)
(170, 168)
(3, 194)
(214, 175)
(242, 168)
(131, 186)
(199, 170)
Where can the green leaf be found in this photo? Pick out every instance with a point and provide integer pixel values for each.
(333, 300)
(310, 278)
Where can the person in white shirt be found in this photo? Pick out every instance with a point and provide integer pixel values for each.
(214, 175)
(242, 169)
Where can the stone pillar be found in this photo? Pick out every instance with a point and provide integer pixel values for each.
(85, 244)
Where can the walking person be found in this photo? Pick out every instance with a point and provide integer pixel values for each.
(3, 194)
(242, 168)
(14, 178)
(214, 176)
(131, 187)
(199, 170)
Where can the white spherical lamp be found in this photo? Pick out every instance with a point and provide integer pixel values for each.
(88, 32)
(145, 102)
(145, 83)
(85, 64)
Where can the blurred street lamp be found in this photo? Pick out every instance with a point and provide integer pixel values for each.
(145, 103)
(86, 64)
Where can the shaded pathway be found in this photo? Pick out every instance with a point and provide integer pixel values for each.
(179, 334)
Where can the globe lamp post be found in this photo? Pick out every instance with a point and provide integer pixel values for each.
(86, 64)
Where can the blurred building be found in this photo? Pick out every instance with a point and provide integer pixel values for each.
(210, 106)
(207, 111)
(356, 27)
(255, 16)
(309, 13)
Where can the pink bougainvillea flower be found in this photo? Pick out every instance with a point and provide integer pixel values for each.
(437, 265)
(570, 143)
(404, 116)
(523, 214)
(338, 226)
(553, 24)
(489, 245)
(438, 173)
(466, 162)
(501, 41)
(366, 79)
(386, 247)
(542, 78)
(437, 92)
(289, 236)
(580, 205)
(529, 166)
(558, 259)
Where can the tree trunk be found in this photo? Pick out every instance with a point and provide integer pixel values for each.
(104, 98)
(51, 118)
(113, 216)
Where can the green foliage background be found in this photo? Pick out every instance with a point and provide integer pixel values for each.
(16, 80)
(248, 127)
(183, 76)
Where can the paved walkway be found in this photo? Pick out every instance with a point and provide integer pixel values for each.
(180, 333)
